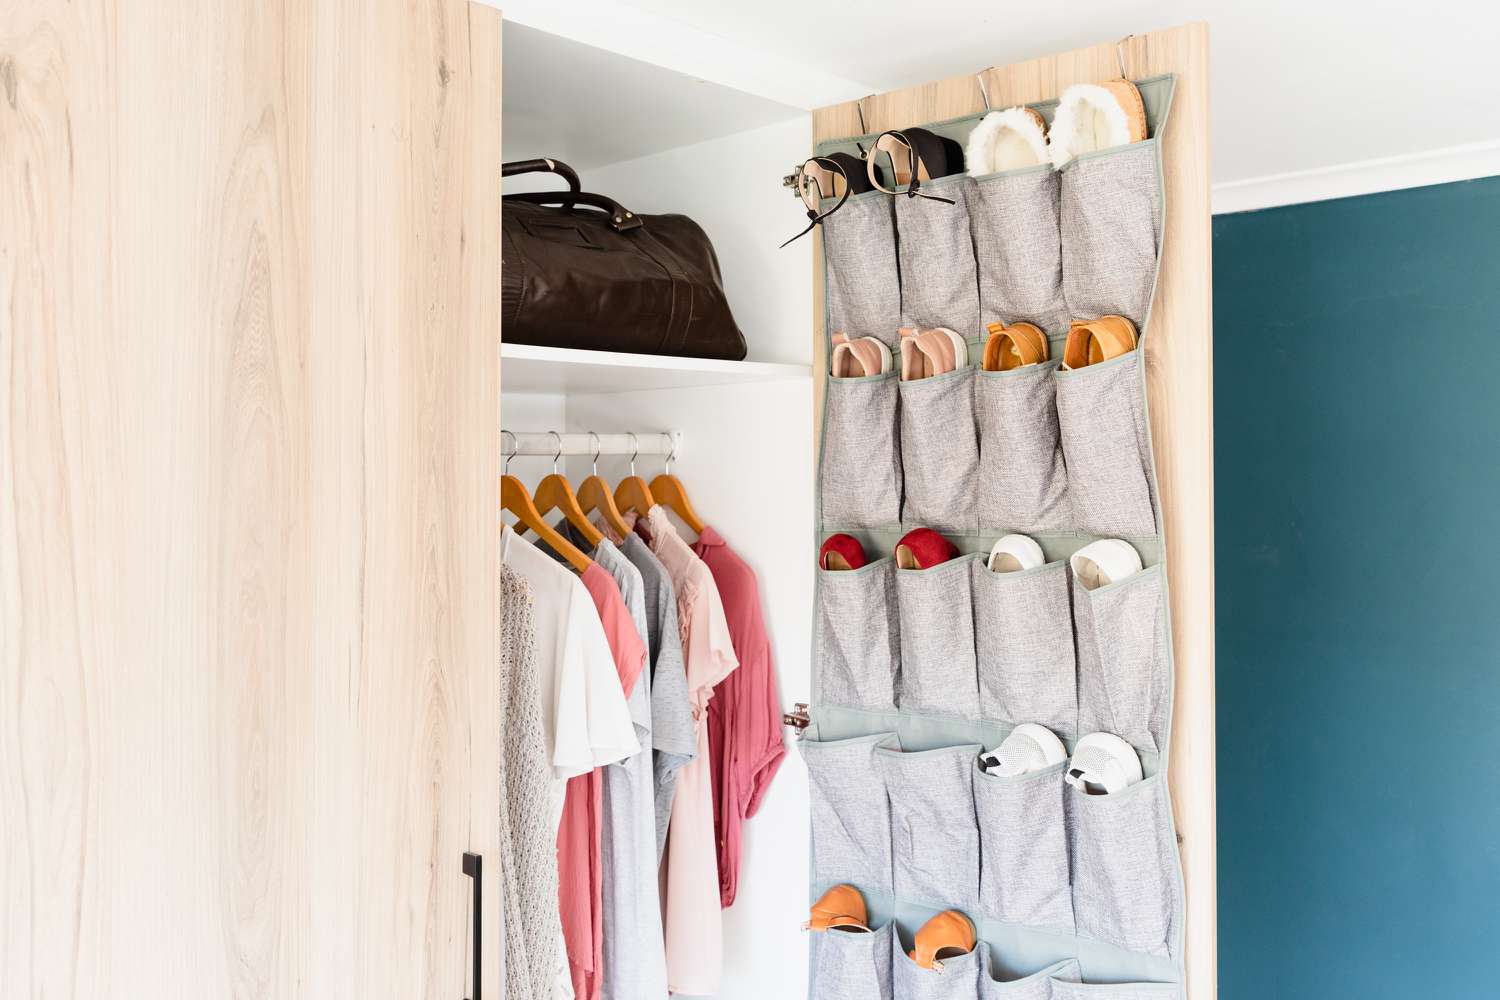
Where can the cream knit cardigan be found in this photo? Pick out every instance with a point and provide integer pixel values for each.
(528, 846)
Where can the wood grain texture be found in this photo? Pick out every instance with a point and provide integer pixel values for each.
(1179, 374)
(248, 482)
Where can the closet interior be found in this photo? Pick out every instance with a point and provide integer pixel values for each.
(734, 434)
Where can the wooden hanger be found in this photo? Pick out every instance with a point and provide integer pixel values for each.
(595, 495)
(632, 493)
(667, 489)
(556, 493)
(514, 498)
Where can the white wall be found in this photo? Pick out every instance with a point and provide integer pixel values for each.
(732, 188)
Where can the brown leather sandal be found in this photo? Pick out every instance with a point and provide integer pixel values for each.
(1096, 340)
(950, 934)
(1014, 346)
(840, 908)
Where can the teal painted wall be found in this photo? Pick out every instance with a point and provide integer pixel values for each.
(1357, 449)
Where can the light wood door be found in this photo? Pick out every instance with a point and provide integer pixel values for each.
(249, 262)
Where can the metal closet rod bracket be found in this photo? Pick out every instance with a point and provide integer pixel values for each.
(554, 444)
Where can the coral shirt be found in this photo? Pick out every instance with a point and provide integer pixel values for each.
(580, 874)
(745, 741)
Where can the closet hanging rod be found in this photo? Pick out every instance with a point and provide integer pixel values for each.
(545, 444)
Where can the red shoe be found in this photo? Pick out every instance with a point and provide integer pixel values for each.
(842, 552)
(923, 548)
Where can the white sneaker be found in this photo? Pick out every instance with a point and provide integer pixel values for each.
(1103, 764)
(1029, 747)
(1109, 560)
(1014, 553)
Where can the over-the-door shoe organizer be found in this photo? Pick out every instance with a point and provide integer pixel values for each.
(1074, 896)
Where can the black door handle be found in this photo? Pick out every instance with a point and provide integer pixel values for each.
(472, 867)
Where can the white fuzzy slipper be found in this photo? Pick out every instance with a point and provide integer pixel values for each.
(1006, 140)
(1096, 116)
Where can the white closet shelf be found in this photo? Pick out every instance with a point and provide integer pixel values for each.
(526, 368)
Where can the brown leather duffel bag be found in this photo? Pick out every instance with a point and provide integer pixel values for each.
(579, 270)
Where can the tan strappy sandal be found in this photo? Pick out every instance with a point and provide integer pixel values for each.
(925, 353)
(859, 358)
(1095, 340)
(1014, 346)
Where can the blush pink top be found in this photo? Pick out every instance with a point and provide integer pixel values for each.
(745, 743)
(693, 918)
(580, 877)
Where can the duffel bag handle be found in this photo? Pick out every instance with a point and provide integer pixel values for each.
(542, 166)
(621, 219)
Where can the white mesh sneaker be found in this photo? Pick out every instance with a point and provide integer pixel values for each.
(1029, 747)
(1103, 764)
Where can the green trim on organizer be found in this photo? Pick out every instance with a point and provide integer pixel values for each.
(980, 774)
(929, 384)
(867, 568)
(1019, 574)
(1084, 373)
(848, 379)
(897, 751)
(1025, 370)
(1035, 168)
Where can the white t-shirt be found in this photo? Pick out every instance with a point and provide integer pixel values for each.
(585, 719)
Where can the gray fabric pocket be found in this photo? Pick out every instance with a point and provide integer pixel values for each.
(852, 966)
(851, 825)
(1115, 991)
(939, 452)
(1023, 872)
(1014, 220)
(1023, 641)
(859, 477)
(1111, 222)
(939, 284)
(1022, 478)
(1037, 986)
(957, 980)
(863, 286)
(1123, 686)
(1122, 860)
(938, 674)
(934, 834)
(859, 636)
(1102, 421)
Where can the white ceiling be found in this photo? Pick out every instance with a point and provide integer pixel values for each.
(1298, 84)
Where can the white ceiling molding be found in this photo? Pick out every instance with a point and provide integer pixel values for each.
(1391, 173)
(675, 45)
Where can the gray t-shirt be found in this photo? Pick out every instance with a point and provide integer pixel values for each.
(673, 737)
(635, 961)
